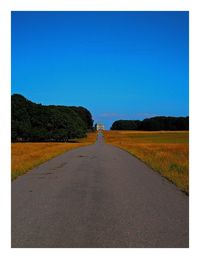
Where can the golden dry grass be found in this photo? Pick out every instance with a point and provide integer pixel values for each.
(25, 156)
(166, 152)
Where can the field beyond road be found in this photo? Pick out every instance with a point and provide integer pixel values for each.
(166, 152)
(25, 156)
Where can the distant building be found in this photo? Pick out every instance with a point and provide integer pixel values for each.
(100, 126)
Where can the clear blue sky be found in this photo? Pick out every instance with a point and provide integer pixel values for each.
(119, 65)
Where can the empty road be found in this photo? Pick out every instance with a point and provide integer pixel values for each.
(97, 196)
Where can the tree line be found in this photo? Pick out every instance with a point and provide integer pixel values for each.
(37, 122)
(154, 123)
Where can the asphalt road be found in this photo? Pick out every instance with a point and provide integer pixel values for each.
(97, 196)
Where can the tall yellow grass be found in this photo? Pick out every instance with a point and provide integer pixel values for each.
(166, 152)
(25, 156)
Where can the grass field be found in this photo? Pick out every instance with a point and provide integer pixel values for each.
(166, 152)
(25, 156)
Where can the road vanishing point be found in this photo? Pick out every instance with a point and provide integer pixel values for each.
(97, 196)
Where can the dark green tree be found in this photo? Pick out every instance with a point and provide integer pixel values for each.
(36, 122)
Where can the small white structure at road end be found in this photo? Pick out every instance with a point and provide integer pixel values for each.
(100, 126)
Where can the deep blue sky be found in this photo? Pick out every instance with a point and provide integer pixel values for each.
(119, 65)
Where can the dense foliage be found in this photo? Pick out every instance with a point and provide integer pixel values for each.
(36, 122)
(85, 115)
(155, 123)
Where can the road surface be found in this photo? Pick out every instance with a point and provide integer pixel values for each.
(97, 196)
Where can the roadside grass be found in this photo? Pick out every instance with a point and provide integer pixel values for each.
(166, 152)
(26, 156)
